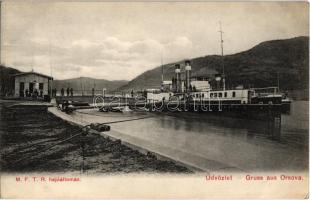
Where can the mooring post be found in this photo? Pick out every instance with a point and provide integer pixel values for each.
(83, 157)
(277, 125)
(270, 121)
(274, 122)
(83, 150)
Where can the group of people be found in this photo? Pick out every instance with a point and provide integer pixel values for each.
(62, 91)
(35, 93)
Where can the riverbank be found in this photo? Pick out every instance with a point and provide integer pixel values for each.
(211, 143)
(30, 143)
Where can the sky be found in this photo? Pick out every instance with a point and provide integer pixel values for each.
(120, 40)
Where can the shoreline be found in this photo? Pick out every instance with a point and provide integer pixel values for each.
(164, 149)
(91, 154)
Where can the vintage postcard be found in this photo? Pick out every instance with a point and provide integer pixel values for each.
(154, 99)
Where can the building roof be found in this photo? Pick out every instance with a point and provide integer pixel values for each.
(38, 74)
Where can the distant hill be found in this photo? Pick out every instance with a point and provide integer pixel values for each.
(86, 83)
(7, 80)
(256, 67)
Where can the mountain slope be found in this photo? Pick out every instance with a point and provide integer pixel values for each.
(256, 67)
(7, 80)
(86, 83)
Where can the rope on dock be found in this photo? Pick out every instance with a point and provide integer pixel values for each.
(126, 120)
(92, 114)
(20, 149)
(41, 142)
(71, 137)
(31, 156)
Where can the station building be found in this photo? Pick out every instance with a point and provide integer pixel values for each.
(32, 84)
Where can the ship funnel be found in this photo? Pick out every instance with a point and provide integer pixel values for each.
(188, 69)
(177, 68)
(188, 65)
(177, 78)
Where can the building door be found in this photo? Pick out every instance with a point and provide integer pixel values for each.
(31, 87)
(21, 89)
(41, 89)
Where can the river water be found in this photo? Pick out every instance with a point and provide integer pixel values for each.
(217, 143)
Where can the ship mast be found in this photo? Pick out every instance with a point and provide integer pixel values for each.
(0, 36)
(222, 58)
(51, 70)
(162, 69)
(162, 73)
(278, 80)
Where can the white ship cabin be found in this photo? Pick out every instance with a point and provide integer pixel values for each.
(237, 96)
(200, 84)
(32, 84)
(166, 86)
(203, 92)
(266, 92)
(157, 95)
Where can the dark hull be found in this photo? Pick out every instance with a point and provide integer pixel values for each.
(252, 111)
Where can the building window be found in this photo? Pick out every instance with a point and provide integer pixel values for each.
(203, 95)
(215, 94)
(225, 94)
(211, 95)
(40, 86)
(233, 94)
(220, 94)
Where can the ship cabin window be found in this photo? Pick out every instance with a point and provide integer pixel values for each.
(220, 94)
(233, 94)
(211, 95)
(225, 94)
(215, 94)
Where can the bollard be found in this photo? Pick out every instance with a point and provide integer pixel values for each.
(93, 125)
(100, 127)
(104, 127)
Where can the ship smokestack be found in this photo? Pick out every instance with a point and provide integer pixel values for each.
(188, 70)
(177, 77)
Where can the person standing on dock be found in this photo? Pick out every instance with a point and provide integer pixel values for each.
(68, 92)
(62, 92)
(71, 90)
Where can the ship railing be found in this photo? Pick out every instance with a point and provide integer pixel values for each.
(264, 91)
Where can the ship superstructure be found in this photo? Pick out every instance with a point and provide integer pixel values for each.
(199, 89)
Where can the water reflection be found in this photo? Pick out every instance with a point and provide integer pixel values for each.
(242, 143)
(296, 123)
